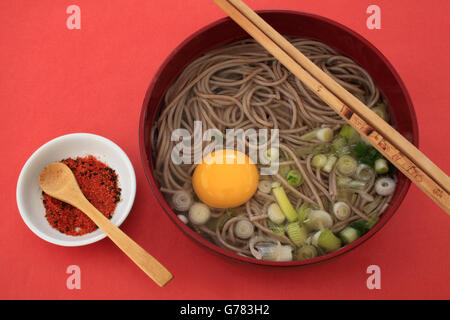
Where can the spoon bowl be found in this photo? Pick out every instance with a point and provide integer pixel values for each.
(58, 181)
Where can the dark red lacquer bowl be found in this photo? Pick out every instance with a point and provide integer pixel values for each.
(288, 23)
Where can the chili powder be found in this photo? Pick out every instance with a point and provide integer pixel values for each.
(98, 182)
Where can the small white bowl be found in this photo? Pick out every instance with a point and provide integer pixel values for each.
(29, 194)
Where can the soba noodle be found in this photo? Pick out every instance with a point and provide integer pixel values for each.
(242, 86)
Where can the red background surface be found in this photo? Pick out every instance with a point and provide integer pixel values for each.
(55, 81)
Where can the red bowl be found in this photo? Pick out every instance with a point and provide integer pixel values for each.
(288, 23)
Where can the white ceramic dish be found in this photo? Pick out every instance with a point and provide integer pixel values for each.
(29, 194)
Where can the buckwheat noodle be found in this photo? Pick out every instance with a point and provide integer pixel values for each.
(242, 86)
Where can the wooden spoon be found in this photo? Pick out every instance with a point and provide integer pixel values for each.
(58, 181)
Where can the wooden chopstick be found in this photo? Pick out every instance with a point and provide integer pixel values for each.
(398, 150)
(354, 103)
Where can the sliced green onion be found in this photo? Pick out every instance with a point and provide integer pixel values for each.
(331, 161)
(315, 238)
(319, 161)
(339, 143)
(283, 202)
(347, 131)
(347, 165)
(265, 186)
(328, 241)
(182, 200)
(275, 214)
(350, 184)
(303, 212)
(318, 220)
(244, 229)
(306, 252)
(322, 134)
(344, 151)
(284, 253)
(296, 233)
(199, 213)
(295, 178)
(269, 249)
(364, 172)
(348, 235)
(264, 248)
(325, 134)
(276, 228)
(310, 135)
(341, 210)
(381, 166)
(385, 186)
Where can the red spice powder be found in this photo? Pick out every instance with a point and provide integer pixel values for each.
(98, 182)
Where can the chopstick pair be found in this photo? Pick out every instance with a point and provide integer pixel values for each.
(394, 147)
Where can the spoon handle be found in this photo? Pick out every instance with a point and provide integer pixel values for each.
(135, 252)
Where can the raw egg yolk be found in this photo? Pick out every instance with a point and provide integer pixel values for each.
(225, 179)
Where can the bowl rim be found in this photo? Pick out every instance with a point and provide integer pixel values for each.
(220, 251)
(75, 242)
